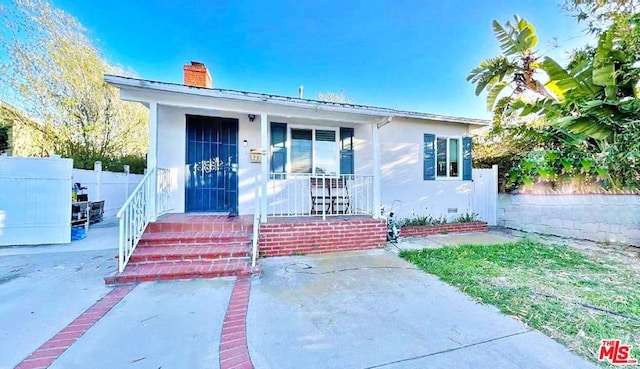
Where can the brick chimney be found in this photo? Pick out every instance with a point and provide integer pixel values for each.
(197, 75)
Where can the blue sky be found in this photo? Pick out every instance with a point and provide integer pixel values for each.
(408, 54)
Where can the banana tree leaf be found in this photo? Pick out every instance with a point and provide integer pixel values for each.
(507, 44)
(562, 83)
(604, 76)
(603, 51)
(585, 126)
(629, 106)
(520, 39)
(493, 94)
(527, 37)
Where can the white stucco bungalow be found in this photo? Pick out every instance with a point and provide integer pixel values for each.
(313, 174)
(310, 157)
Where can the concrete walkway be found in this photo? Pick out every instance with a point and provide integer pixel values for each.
(374, 310)
(157, 325)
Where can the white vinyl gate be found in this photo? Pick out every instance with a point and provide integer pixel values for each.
(35, 200)
(485, 194)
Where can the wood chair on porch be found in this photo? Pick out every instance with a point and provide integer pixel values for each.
(320, 192)
(330, 195)
(340, 200)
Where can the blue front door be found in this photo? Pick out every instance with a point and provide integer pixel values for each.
(211, 178)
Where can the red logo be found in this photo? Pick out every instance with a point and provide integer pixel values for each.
(615, 352)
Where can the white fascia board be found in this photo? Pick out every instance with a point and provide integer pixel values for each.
(223, 104)
(125, 83)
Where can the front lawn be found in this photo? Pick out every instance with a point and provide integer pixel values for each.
(574, 296)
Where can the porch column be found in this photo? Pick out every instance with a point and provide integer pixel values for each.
(264, 166)
(152, 159)
(375, 135)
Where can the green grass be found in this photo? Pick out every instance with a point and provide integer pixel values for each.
(546, 287)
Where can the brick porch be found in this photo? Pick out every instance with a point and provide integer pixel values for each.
(312, 235)
(186, 246)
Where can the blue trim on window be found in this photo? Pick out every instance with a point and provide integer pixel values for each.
(278, 147)
(467, 160)
(346, 151)
(429, 159)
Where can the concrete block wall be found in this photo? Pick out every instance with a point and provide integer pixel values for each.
(602, 218)
(318, 236)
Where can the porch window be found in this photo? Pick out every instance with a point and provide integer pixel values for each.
(301, 150)
(326, 152)
(311, 150)
(314, 151)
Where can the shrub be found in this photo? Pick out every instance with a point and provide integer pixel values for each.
(422, 220)
(137, 164)
(425, 220)
(467, 218)
(4, 138)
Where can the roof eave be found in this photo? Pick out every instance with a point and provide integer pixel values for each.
(127, 82)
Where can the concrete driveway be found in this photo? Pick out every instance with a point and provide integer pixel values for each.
(41, 292)
(374, 310)
(347, 310)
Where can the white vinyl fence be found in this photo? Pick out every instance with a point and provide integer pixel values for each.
(485, 194)
(113, 188)
(35, 200)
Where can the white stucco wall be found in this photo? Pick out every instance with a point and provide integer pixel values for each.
(603, 218)
(401, 144)
(401, 165)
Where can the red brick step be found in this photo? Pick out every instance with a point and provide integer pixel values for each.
(185, 246)
(190, 237)
(188, 252)
(180, 270)
(201, 223)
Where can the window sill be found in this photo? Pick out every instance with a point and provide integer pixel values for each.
(451, 179)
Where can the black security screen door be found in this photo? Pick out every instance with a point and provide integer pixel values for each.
(211, 178)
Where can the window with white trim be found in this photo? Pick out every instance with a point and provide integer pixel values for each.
(447, 153)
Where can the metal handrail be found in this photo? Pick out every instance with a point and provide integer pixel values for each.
(138, 187)
(145, 203)
(256, 224)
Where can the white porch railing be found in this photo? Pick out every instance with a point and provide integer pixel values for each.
(163, 196)
(137, 212)
(291, 195)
